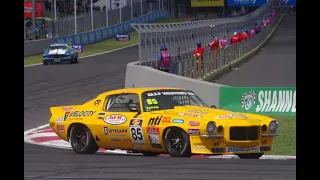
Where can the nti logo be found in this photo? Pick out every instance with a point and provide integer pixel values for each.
(156, 121)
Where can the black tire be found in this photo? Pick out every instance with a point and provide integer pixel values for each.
(174, 149)
(150, 153)
(250, 156)
(45, 63)
(79, 144)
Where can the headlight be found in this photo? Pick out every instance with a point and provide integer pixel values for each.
(273, 126)
(211, 127)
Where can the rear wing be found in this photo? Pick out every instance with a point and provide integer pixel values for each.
(61, 110)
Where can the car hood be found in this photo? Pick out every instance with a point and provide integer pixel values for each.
(210, 114)
(57, 51)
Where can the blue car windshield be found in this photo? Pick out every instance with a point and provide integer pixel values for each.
(57, 47)
(168, 99)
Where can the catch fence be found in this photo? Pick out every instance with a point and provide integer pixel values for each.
(66, 25)
(181, 38)
(220, 58)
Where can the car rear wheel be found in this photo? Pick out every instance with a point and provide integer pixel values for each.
(82, 141)
(250, 156)
(177, 143)
(150, 153)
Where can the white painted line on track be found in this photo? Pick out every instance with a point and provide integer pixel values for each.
(41, 135)
(274, 157)
(35, 129)
(106, 52)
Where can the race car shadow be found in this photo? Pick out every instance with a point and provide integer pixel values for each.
(139, 154)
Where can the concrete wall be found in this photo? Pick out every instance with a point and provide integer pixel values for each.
(143, 76)
(36, 47)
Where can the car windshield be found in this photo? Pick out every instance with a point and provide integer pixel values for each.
(167, 99)
(58, 47)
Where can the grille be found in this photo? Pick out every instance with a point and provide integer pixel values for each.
(57, 56)
(244, 133)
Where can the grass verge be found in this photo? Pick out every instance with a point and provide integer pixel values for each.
(105, 45)
(285, 143)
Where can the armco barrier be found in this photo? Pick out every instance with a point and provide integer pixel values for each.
(37, 47)
(259, 100)
(109, 32)
(144, 76)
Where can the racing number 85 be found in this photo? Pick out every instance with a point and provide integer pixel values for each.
(152, 101)
(136, 134)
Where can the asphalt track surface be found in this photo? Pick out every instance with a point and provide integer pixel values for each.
(274, 65)
(47, 86)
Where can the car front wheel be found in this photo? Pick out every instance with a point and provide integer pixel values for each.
(82, 141)
(177, 143)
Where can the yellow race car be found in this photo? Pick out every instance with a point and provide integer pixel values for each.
(155, 121)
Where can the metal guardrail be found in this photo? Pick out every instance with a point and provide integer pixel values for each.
(181, 37)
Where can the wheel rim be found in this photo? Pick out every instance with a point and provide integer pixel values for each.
(80, 138)
(175, 141)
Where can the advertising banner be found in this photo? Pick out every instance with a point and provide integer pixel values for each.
(290, 2)
(247, 2)
(79, 48)
(264, 100)
(28, 9)
(207, 3)
(111, 31)
(123, 37)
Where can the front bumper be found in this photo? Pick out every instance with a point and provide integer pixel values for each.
(62, 60)
(217, 144)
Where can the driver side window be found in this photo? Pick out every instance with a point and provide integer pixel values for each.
(122, 102)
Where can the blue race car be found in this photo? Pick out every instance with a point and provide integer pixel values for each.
(60, 53)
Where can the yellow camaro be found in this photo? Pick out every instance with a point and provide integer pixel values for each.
(152, 121)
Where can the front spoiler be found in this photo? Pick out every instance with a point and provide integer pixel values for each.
(61, 61)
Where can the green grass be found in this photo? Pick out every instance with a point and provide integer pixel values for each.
(103, 46)
(285, 143)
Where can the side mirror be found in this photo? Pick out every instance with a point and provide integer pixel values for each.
(213, 106)
(133, 109)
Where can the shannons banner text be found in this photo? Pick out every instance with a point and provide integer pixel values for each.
(269, 101)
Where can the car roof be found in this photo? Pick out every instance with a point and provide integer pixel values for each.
(58, 44)
(140, 90)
